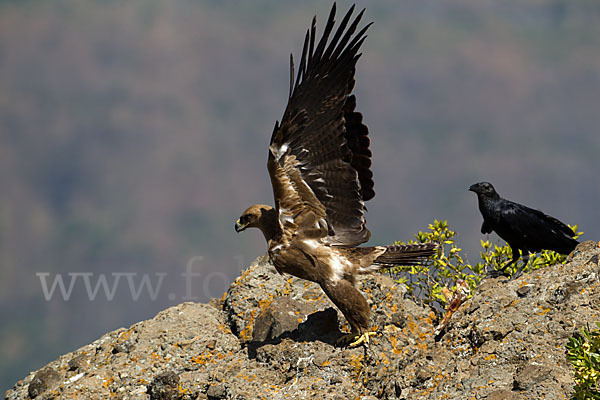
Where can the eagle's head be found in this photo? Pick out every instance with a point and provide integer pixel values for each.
(484, 189)
(256, 216)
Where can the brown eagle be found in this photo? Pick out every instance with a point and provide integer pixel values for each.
(319, 163)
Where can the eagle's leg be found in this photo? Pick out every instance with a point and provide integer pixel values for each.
(354, 339)
(354, 307)
(516, 253)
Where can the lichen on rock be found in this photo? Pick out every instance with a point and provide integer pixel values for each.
(273, 336)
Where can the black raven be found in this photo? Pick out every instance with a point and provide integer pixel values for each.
(522, 227)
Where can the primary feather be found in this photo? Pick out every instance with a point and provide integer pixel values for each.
(323, 137)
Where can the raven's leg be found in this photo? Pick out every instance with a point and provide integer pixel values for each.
(502, 271)
(519, 271)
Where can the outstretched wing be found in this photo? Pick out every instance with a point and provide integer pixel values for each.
(319, 157)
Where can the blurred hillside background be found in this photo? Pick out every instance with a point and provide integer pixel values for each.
(132, 135)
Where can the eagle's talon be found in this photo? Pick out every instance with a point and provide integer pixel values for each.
(354, 339)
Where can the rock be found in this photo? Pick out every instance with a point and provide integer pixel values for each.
(320, 325)
(43, 380)
(77, 363)
(502, 395)
(398, 319)
(274, 336)
(164, 387)
(216, 392)
(282, 315)
(524, 290)
(529, 376)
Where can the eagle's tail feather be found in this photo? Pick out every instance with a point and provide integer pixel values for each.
(405, 254)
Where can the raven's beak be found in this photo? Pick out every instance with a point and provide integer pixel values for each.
(473, 188)
(239, 226)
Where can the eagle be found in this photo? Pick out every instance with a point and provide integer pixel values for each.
(319, 163)
(524, 229)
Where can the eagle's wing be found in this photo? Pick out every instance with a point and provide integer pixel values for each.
(319, 157)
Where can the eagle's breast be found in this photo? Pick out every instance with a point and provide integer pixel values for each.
(294, 260)
(340, 267)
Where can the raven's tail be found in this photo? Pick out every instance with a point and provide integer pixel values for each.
(401, 254)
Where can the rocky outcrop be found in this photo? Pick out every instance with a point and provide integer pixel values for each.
(273, 336)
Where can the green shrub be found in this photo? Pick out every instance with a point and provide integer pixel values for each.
(583, 354)
(426, 282)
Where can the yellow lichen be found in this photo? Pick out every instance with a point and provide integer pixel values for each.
(356, 361)
(543, 311)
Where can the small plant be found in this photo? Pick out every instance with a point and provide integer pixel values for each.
(427, 283)
(583, 354)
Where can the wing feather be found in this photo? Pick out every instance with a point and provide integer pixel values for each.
(540, 230)
(319, 157)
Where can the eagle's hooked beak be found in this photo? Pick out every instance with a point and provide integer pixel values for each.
(239, 226)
